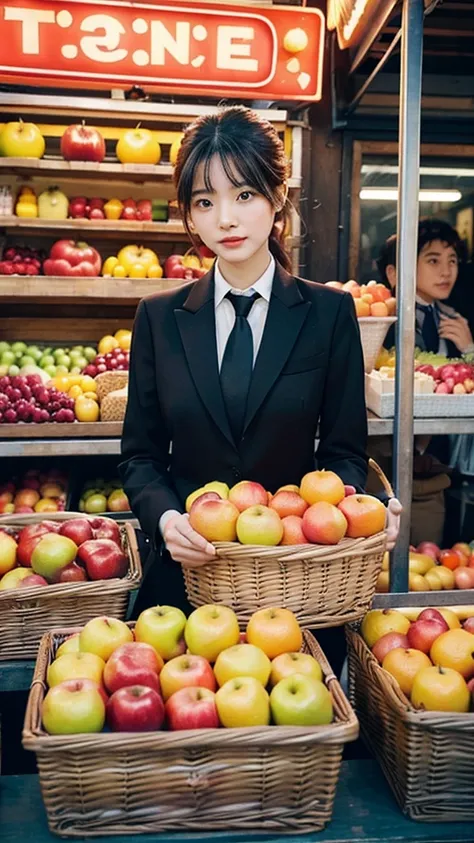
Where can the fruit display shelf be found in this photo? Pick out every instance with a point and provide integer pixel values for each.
(61, 290)
(57, 166)
(105, 228)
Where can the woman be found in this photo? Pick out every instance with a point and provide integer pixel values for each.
(230, 375)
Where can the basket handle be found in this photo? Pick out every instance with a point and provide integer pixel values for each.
(382, 477)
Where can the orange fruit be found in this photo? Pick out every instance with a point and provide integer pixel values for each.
(353, 288)
(275, 631)
(368, 297)
(455, 649)
(122, 332)
(86, 409)
(380, 292)
(362, 307)
(378, 308)
(125, 343)
(322, 486)
(391, 305)
(107, 344)
(403, 665)
(119, 271)
(46, 505)
(452, 559)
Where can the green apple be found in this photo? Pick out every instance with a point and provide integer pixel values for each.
(8, 357)
(76, 665)
(13, 370)
(162, 627)
(103, 635)
(75, 370)
(300, 700)
(96, 503)
(73, 707)
(58, 352)
(242, 660)
(211, 629)
(34, 352)
(90, 353)
(76, 349)
(50, 370)
(19, 347)
(52, 553)
(46, 360)
(62, 370)
(81, 362)
(63, 360)
(287, 664)
(243, 702)
(4, 346)
(27, 360)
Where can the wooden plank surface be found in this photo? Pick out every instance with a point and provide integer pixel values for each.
(47, 166)
(364, 812)
(172, 228)
(15, 289)
(52, 430)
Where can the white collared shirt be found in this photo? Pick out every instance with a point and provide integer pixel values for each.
(225, 313)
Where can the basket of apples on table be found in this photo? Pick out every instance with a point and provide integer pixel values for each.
(316, 548)
(411, 681)
(175, 723)
(59, 571)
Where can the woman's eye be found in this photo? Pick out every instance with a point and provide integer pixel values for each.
(203, 203)
(246, 195)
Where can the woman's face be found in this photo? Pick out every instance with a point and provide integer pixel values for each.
(235, 222)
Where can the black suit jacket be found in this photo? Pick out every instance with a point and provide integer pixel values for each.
(309, 370)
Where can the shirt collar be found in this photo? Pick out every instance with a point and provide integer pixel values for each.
(263, 286)
(425, 304)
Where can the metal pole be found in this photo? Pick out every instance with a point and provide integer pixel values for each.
(407, 231)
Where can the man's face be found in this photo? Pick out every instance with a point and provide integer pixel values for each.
(437, 271)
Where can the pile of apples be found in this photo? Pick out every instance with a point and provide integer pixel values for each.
(178, 673)
(433, 569)
(451, 378)
(25, 398)
(431, 658)
(54, 361)
(76, 550)
(133, 262)
(114, 354)
(21, 260)
(319, 511)
(100, 496)
(35, 491)
(189, 267)
(370, 299)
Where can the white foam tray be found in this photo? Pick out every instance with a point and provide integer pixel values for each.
(425, 406)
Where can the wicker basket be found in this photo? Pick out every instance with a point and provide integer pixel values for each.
(109, 382)
(114, 405)
(323, 585)
(268, 778)
(26, 613)
(373, 330)
(427, 756)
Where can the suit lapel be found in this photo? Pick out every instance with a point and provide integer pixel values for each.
(286, 314)
(197, 327)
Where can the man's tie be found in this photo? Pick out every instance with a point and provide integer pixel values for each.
(237, 363)
(429, 330)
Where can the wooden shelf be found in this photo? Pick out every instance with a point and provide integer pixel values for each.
(106, 228)
(81, 169)
(25, 289)
(53, 430)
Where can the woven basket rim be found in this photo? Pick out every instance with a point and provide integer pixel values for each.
(343, 730)
(346, 547)
(82, 589)
(400, 702)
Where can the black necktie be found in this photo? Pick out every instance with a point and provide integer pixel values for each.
(237, 363)
(429, 330)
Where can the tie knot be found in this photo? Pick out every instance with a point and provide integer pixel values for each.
(242, 304)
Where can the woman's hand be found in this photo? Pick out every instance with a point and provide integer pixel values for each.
(392, 525)
(185, 545)
(457, 330)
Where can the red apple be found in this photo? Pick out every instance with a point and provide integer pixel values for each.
(29, 538)
(135, 709)
(77, 529)
(422, 634)
(468, 625)
(247, 493)
(192, 708)
(432, 615)
(389, 641)
(73, 573)
(133, 664)
(105, 528)
(185, 672)
(82, 143)
(103, 559)
(429, 549)
(32, 580)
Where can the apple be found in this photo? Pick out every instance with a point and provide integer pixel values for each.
(103, 635)
(73, 707)
(73, 573)
(26, 497)
(118, 501)
(28, 539)
(205, 496)
(32, 581)
(247, 493)
(192, 708)
(186, 672)
(8, 551)
(287, 503)
(105, 528)
(77, 529)
(242, 660)
(162, 627)
(287, 664)
(301, 700)
(293, 530)
(275, 631)
(103, 559)
(389, 641)
(82, 143)
(429, 549)
(243, 702)
(424, 632)
(70, 645)
(75, 666)
(432, 615)
(404, 664)
(13, 578)
(455, 649)
(324, 523)
(468, 625)
(22, 140)
(133, 664)
(52, 553)
(322, 486)
(440, 689)
(259, 525)
(211, 629)
(216, 520)
(135, 709)
(365, 515)
(379, 622)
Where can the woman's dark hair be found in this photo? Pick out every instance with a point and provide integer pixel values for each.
(428, 230)
(247, 146)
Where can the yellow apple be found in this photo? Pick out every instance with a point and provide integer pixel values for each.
(103, 635)
(378, 622)
(214, 519)
(222, 489)
(242, 660)
(211, 629)
(7, 553)
(259, 525)
(70, 645)
(300, 700)
(243, 702)
(287, 664)
(75, 666)
(12, 578)
(163, 628)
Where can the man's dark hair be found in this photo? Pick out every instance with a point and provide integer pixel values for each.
(428, 230)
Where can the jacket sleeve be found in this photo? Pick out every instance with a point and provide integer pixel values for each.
(146, 438)
(343, 421)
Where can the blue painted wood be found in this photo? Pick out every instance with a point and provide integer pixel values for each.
(365, 812)
(16, 675)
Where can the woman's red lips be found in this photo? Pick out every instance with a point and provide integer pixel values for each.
(232, 239)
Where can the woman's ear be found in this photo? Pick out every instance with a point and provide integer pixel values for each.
(391, 274)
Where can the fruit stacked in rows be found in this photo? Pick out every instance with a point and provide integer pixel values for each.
(133, 262)
(53, 361)
(432, 569)
(189, 266)
(370, 299)
(21, 260)
(76, 550)
(35, 491)
(450, 379)
(100, 496)
(180, 673)
(321, 510)
(431, 658)
(113, 354)
(25, 398)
